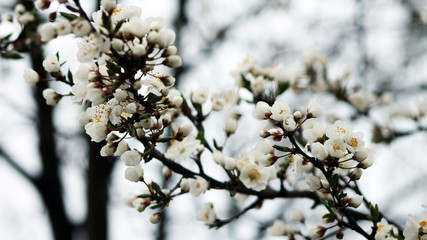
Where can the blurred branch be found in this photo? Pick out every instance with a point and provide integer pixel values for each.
(16, 166)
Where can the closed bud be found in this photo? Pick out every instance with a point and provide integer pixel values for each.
(356, 200)
(264, 134)
(168, 81)
(355, 174)
(184, 130)
(173, 61)
(155, 218)
(171, 50)
(297, 215)
(230, 126)
(108, 150)
(339, 234)
(167, 173)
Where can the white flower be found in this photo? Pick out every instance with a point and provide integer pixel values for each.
(108, 150)
(316, 232)
(361, 101)
(48, 32)
(26, 18)
(95, 94)
(356, 200)
(315, 183)
(416, 227)
(230, 125)
(262, 111)
(198, 186)
(63, 26)
(131, 158)
(279, 228)
(166, 38)
(336, 147)
(173, 61)
(315, 109)
(154, 218)
(254, 177)
(258, 86)
(422, 108)
(289, 124)
(97, 127)
(244, 159)
(121, 148)
(31, 77)
(185, 185)
(181, 150)
(297, 215)
(200, 95)
(108, 5)
(384, 231)
(339, 130)
(92, 48)
(51, 63)
(355, 141)
(319, 151)
(207, 214)
(134, 173)
(217, 102)
(185, 129)
(51, 96)
(81, 27)
(280, 111)
(313, 130)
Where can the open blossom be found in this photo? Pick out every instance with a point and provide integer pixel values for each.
(384, 231)
(254, 177)
(416, 227)
(313, 130)
(315, 109)
(200, 95)
(336, 147)
(262, 111)
(97, 127)
(92, 48)
(339, 130)
(355, 141)
(319, 151)
(181, 150)
(51, 63)
(198, 186)
(134, 173)
(315, 183)
(280, 111)
(207, 214)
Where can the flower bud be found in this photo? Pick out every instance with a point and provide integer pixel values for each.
(31, 77)
(155, 218)
(356, 200)
(134, 174)
(171, 50)
(317, 232)
(230, 126)
(51, 96)
(355, 174)
(366, 164)
(167, 173)
(184, 130)
(108, 150)
(173, 61)
(153, 37)
(297, 215)
(120, 95)
(185, 185)
(131, 158)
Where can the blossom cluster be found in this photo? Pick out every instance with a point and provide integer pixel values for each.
(297, 155)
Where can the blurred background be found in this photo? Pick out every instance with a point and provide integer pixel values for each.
(54, 184)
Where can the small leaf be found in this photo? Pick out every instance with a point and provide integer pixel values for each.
(106, 21)
(282, 148)
(70, 76)
(165, 139)
(119, 25)
(69, 16)
(153, 97)
(12, 54)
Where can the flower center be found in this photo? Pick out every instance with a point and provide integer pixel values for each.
(379, 228)
(254, 175)
(336, 147)
(354, 142)
(115, 12)
(423, 224)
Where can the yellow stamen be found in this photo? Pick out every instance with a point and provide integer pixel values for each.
(115, 12)
(254, 175)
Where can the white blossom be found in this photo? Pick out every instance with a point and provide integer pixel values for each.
(339, 130)
(315, 109)
(280, 111)
(51, 96)
(51, 63)
(198, 186)
(63, 26)
(31, 77)
(131, 158)
(134, 173)
(313, 130)
(207, 214)
(254, 177)
(384, 231)
(262, 111)
(279, 228)
(48, 32)
(297, 215)
(181, 150)
(200, 95)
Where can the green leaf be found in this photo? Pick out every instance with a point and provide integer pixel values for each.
(153, 98)
(374, 213)
(132, 131)
(106, 21)
(282, 87)
(144, 116)
(157, 189)
(118, 26)
(12, 54)
(70, 76)
(69, 16)
(282, 148)
(113, 68)
(246, 82)
(335, 180)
